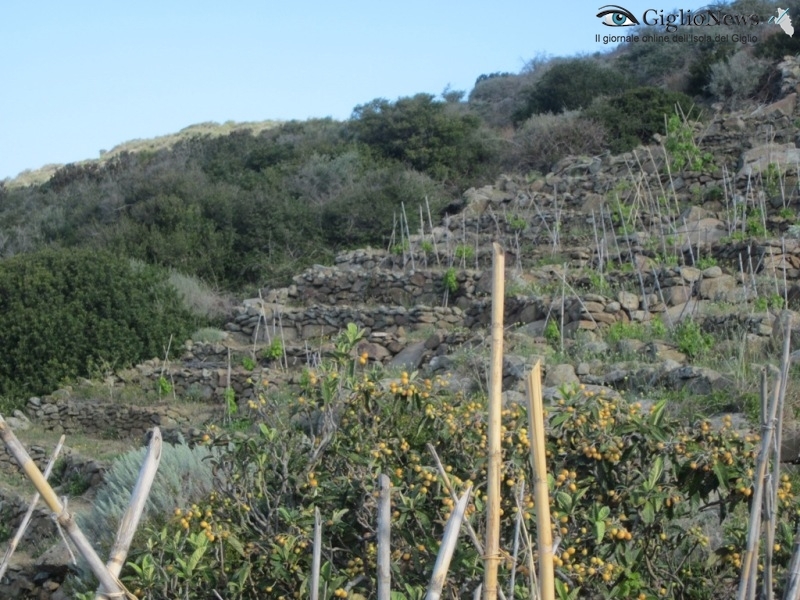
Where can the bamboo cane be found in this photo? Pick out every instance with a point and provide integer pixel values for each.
(130, 520)
(492, 546)
(63, 517)
(747, 582)
(447, 548)
(316, 560)
(384, 539)
(544, 532)
(27, 518)
(792, 591)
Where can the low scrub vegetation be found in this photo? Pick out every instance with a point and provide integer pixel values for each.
(643, 506)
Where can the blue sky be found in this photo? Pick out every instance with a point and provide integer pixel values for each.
(78, 77)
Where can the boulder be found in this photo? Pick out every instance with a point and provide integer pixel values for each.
(559, 375)
(756, 160)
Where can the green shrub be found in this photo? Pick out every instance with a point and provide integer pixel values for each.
(184, 477)
(571, 85)
(274, 351)
(633, 117)
(635, 496)
(546, 138)
(63, 311)
(450, 281)
(209, 334)
(777, 45)
(691, 339)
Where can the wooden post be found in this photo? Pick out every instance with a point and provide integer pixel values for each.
(447, 548)
(316, 559)
(492, 546)
(384, 539)
(130, 520)
(544, 532)
(64, 519)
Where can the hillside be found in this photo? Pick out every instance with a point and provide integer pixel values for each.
(651, 266)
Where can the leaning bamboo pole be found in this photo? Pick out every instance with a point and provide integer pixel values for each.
(64, 518)
(12, 546)
(492, 547)
(130, 520)
(544, 532)
(448, 546)
(316, 559)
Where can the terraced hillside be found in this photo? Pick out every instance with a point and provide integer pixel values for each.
(625, 274)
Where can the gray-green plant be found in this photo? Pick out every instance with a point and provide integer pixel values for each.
(464, 251)
(184, 476)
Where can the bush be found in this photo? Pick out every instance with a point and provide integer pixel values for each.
(423, 133)
(633, 117)
(571, 85)
(736, 78)
(184, 478)
(63, 311)
(544, 139)
(631, 495)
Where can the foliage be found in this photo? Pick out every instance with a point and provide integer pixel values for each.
(63, 311)
(464, 252)
(691, 339)
(552, 333)
(546, 138)
(571, 85)
(248, 363)
(630, 495)
(681, 146)
(164, 386)
(706, 262)
(229, 211)
(778, 45)
(423, 133)
(184, 477)
(450, 281)
(274, 351)
(736, 78)
(633, 117)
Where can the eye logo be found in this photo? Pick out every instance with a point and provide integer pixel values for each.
(616, 16)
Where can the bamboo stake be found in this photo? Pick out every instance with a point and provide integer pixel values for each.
(792, 591)
(130, 520)
(492, 546)
(543, 527)
(316, 560)
(27, 518)
(384, 539)
(448, 546)
(747, 582)
(63, 517)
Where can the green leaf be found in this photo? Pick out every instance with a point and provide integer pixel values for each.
(603, 513)
(722, 475)
(559, 419)
(564, 501)
(599, 530)
(657, 414)
(648, 513)
(655, 473)
(397, 596)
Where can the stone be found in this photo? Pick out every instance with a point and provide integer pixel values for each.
(712, 272)
(376, 352)
(558, 375)
(699, 381)
(628, 300)
(717, 288)
(677, 295)
(410, 358)
(691, 274)
(706, 231)
(755, 161)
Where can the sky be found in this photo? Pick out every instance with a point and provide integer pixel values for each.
(83, 76)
